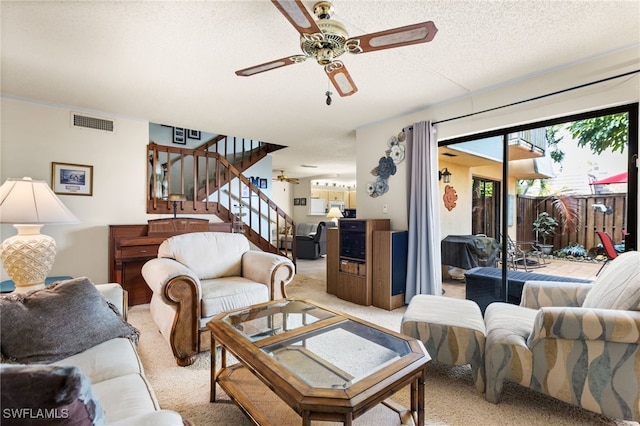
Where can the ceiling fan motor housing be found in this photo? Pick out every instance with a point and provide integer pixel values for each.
(329, 45)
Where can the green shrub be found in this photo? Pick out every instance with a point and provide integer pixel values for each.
(576, 250)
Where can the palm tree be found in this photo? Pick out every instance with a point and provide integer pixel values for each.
(568, 211)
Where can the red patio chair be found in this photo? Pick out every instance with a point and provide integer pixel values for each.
(609, 249)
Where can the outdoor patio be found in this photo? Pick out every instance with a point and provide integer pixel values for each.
(577, 269)
(571, 268)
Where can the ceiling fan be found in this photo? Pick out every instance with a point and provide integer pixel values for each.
(284, 178)
(326, 39)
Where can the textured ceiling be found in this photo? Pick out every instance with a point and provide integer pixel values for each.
(173, 62)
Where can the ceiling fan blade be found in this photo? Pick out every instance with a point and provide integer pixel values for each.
(401, 36)
(297, 14)
(340, 78)
(268, 66)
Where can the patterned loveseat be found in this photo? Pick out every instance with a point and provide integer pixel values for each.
(579, 343)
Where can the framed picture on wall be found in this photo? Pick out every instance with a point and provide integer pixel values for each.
(72, 179)
(194, 134)
(296, 201)
(263, 183)
(303, 201)
(179, 136)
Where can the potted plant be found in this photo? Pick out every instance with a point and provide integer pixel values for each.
(545, 226)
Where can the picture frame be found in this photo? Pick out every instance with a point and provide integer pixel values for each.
(263, 183)
(72, 179)
(179, 135)
(296, 201)
(303, 201)
(194, 134)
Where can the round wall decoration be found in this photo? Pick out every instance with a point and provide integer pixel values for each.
(450, 197)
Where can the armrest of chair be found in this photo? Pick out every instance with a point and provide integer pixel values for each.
(273, 270)
(538, 294)
(116, 295)
(586, 324)
(158, 272)
(179, 289)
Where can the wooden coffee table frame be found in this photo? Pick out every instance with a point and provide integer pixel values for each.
(259, 373)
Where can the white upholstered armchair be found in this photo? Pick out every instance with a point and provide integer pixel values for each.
(579, 343)
(198, 275)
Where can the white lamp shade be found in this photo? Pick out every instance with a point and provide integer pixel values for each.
(28, 201)
(29, 204)
(334, 212)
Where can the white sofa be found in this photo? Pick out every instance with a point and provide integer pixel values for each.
(116, 377)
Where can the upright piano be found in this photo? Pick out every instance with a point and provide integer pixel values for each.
(130, 246)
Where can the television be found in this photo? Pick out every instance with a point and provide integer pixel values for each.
(349, 213)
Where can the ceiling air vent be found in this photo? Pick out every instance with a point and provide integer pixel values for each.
(87, 122)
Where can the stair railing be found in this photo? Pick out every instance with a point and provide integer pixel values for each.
(213, 185)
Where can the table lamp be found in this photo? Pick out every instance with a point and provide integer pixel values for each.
(30, 204)
(175, 198)
(334, 214)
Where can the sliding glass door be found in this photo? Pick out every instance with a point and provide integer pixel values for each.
(551, 185)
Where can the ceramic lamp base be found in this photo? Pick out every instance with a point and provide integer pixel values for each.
(28, 257)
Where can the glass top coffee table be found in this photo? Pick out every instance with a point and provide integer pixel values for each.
(323, 364)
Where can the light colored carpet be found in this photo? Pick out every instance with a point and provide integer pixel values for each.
(451, 398)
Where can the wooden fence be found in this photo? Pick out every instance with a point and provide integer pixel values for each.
(589, 219)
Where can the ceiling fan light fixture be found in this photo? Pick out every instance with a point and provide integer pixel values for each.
(324, 56)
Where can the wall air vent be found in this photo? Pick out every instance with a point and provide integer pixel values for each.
(88, 122)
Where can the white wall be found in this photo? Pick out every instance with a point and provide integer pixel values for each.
(367, 158)
(282, 195)
(35, 135)
(371, 141)
(301, 213)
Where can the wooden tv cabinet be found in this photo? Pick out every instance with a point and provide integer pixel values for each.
(355, 259)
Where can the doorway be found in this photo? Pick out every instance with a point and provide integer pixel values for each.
(485, 217)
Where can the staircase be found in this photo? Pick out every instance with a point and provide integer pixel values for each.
(210, 177)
